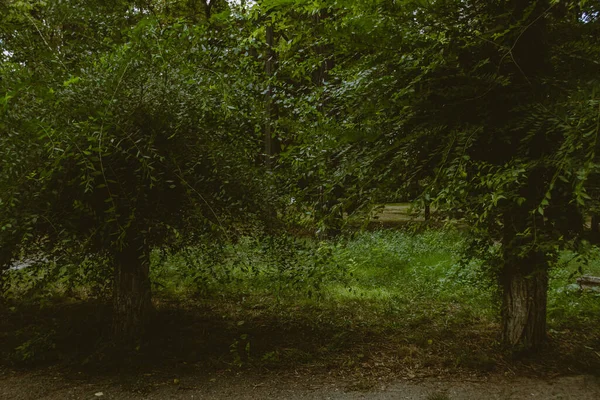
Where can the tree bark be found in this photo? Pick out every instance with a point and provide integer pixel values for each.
(131, 294)
(524, 275)
(270, 70)
(524, 310)
(427, 210)
(332, 214)
(595, 223)
(208, 4)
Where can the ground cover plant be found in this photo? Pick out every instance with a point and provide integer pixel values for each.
(387, 302)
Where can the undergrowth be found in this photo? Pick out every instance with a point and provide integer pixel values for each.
(386, 272)
(387, 297)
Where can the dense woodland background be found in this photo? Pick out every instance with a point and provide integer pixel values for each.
(236, 159)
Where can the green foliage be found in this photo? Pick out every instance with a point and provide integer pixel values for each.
(389, 272)
(433, 99)
(143, 143)
(279, 266)
(36, 349)
(401, 272)
(43, 282)
(568, 305)
(413, 273)
(141, 124)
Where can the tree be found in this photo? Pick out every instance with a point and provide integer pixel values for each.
(147, 144)
(486, 102)
(298, 93)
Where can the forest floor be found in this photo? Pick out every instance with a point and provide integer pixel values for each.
(389, 315)
(207, 351)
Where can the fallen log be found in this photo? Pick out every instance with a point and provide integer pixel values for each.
(589, 282)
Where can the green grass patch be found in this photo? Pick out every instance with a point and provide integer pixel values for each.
(568, 305)
(382, 272)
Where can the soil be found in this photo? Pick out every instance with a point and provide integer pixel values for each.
(202, 351)
(52, 384)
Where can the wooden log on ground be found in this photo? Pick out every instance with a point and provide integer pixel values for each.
(589, 282)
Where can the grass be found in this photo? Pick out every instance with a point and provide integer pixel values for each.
(380, 303)
(567, 305)
(375, 273)
(438, 396)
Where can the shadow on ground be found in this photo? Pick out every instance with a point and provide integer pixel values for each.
(217, 335)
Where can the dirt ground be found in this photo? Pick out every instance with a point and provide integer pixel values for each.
(194, 359)
(51, 384)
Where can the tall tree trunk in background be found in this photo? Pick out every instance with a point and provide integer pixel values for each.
(208, 4)
(332, 214)
(595, 224)
(270, 70)
(427, 207)
(132, 304)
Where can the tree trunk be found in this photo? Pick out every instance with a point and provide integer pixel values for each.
(208, 8)
(270, 70)
(524, 310)
(333, 215)
(595, 224)
(524, 277)
(427, 210)
(131, 294)
(524, 281)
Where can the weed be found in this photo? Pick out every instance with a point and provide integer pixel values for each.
(36, 348)
(240, 350)
(438, 396)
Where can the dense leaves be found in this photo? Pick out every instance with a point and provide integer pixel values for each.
(143, 141)
(141, 124)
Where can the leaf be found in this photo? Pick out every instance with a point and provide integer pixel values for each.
(71, 81)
